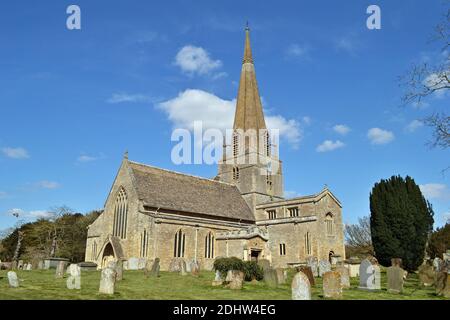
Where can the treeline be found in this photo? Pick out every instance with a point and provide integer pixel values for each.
(63, 235)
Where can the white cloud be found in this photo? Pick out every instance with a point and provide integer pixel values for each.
(446, 217)
(420, 105)
(307, 120)
(329, 145)
(3, 194)
(299, 51)
(15, 153)
(380, 136)
(196, 60)
(33, 214)
(87, 158)
(48, 184)
(438, 82)
(132, 98)
(342, 129)
(414, 125)
(214, 112)
(437, 191)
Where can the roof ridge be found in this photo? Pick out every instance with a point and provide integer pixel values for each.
(180, 173)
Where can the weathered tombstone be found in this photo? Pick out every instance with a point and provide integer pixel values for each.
(107, 281)
(438, 264)
(332, 285)
(440, 283)
(301, 287)
(235, 279)
(217, 279)
(29, 267)
(270, 278)
(195, 268)
(14, 265)
(59, 274)
(155, 268)
(119, 270)
(142, 262)
(133, 263)
(324, 266)
(353, 265)
(396, 262)
(13, 280)
(345, 276)
(395, 279)
(369, 276)
(426, 274)
(281, 278)
(183, 271)
(264, 264)
(177, 264)
(74, 280)
(307, 271)
(40, 265)
(20, 265)
(314, 265)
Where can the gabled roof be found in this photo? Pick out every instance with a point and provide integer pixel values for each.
(315, 197)
(175, 191)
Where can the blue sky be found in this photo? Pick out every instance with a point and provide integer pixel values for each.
(72, 101)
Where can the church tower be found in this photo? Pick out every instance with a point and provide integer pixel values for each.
(251, 161)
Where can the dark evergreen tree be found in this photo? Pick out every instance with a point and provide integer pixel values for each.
(401, 220)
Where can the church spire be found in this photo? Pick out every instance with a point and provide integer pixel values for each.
(249, 113)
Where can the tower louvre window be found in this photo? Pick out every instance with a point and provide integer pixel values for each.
(293, 212)
(235, 145)
(308, 244)
(272, 214)
(282, 249)
(236, 173)
(120, 214)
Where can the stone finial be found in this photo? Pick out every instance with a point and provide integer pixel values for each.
(125, 155)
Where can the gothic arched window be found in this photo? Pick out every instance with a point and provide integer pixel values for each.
(308, 244)
(120, 214)
(209, 246)
(178, 248)
(329, 223)
(235, 173)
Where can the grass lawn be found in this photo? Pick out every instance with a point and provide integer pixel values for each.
(41, 284)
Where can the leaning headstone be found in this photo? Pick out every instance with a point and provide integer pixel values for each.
(281, 277)
(13, 280)
(155, 268)
(314, 265)
(307, 271)
(369, 276)
(264, 264)
(119, 270)
(59, 274)
(440, 283)
(235, 279)
(426, 275)
(345, 276)
(301, 287)
(324, 266)
(107, 281)
(133, 263)
(332, 285)
(395, 279)
(217, 279)
(74, 280)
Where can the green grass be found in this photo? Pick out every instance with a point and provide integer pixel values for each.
(41, 284)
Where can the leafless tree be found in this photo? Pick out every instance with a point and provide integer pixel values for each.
(57, 212)
(358, 235)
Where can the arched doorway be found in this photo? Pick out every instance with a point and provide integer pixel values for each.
(108, 255)
(330, 255)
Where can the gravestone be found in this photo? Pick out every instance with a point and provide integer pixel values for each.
(369, 276)
(107, 281)
(176, 264)
(307, 271)
(281, 277)
(438, 264)
(353, 265)
(183, 271)
(119, 270)
(40, 265)
(217, 279)
(29, 267)
(314, 265)
(142, 262)
(301, 287)
(332, 285)
(133, 263)
(20, 265)
(13, 280)
(440, 283)
(396, 262)
(14, 265)
(264, 264)
(74, 280)
(88, 266)
(147, 268)
(235, 279)
(270, 278)
(59, 274)
(345, 276)
(395, 279)
(195, 268)
(155, 268)
(324, 266)
(426, 275)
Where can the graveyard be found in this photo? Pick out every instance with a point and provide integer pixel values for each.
(42, 284)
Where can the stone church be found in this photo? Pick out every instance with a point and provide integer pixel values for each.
(155, 213)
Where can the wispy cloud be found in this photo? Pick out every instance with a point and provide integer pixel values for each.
(130, 98)
(437, 191)
(380, 136)
(413, 126)
(194, 60)
(342, 129)
(349, 43)
(3, 195)
(299, 51)
(15, 153)
(329, 145)
(45, 184)
(33, 214)
(83, 158)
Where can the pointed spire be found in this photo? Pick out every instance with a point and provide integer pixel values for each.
(247, 51)
(249, 113)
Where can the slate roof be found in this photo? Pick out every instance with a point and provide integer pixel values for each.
(171, 190)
